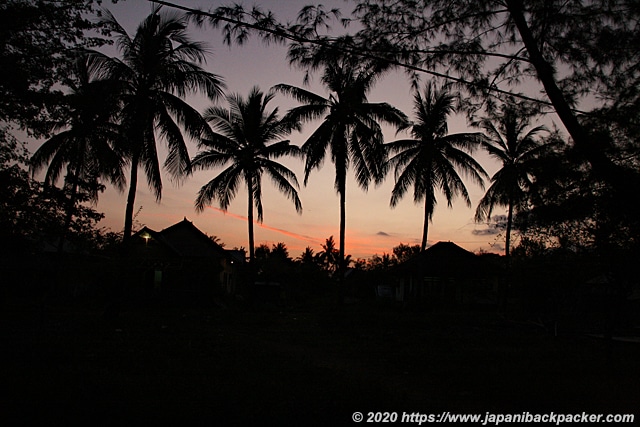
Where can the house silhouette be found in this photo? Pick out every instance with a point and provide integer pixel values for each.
(181, 258)
(443, 274)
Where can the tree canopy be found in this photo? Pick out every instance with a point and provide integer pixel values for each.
(37, 40)
(557, 54)
(160, 66)
(576, 59)
(247, 138)
(434, 159)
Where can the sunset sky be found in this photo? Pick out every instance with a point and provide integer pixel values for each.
(372, 226)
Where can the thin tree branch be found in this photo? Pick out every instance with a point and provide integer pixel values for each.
(285, 34)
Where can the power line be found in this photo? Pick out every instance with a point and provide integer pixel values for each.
(284, 33)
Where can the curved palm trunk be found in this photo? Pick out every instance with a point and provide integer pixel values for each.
(425, 227)
(131, 198)
(428, 211)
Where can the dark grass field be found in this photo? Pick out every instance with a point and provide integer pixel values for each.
(315, 365)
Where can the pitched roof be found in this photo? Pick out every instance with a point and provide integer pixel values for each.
(185, 240)
(148, 234)
(448, 250)
(443, 258)
(189, 241)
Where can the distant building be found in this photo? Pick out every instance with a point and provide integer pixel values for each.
(445, 274)
(181, 258)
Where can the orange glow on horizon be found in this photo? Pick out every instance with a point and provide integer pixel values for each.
(356, 245)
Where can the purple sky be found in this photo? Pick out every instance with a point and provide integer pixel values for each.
(372, 226)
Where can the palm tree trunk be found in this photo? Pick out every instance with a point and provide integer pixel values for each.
(341, 173)
(507, 249)
(506, 285)
(71, 202)
(428, 207)
(250, 220)
(131, 198)
(343, 226)
(425, 227)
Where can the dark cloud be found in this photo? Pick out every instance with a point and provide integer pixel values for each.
(382, 233)
(496, 226)
(486, 232)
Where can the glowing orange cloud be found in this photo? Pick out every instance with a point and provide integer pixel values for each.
(358, 245)
(267, 227)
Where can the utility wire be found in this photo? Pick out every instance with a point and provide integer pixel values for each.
(286, 34)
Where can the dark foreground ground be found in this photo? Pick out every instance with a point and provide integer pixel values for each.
(227, 365)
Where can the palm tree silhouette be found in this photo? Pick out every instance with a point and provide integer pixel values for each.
(518, 150)
(431, 159)
(87, 141)
(350, 129)
(160, 65)
(247, 137)
(329, 256)
(307, 257)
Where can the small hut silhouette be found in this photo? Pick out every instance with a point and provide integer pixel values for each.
(443, 274)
